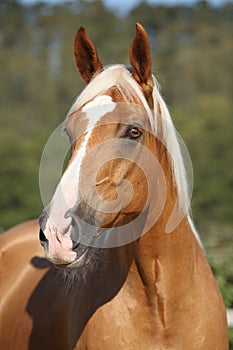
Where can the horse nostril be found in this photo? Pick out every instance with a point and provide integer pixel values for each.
(43, 239)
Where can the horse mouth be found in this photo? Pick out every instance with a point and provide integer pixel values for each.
(81, 260)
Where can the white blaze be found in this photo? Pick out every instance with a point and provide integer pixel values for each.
(66, 194)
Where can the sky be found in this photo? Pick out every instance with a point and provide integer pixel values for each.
(126, 5)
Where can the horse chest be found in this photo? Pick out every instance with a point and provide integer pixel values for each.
(122, 323)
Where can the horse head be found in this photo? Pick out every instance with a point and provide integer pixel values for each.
(113, 176)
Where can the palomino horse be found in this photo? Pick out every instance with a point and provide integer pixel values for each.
(129, 283)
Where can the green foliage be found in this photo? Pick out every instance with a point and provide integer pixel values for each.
(207, 133)
(192, 58)
(217, 239)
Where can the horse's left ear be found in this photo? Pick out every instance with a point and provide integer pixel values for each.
(86, 56)
(140, 60)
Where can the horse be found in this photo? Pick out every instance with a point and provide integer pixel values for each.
(119, 264)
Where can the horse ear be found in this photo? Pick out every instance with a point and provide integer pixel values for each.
(87, 59)
(140, 60)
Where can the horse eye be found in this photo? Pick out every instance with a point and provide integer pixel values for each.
(134, 132)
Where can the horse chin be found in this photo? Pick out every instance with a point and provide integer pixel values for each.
(81, 260)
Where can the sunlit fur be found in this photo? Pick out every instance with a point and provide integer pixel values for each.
(118, 76)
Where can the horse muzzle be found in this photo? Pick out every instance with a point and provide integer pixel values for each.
(59, 248)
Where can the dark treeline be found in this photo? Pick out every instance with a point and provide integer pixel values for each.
(192, 58)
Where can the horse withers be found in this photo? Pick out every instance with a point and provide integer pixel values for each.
(118, 225)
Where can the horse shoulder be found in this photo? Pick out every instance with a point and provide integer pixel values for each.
(19, 276)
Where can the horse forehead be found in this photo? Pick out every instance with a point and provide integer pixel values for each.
(96, 109)
(115, 94)
(111, 107)
(87, 116)
(101, 105)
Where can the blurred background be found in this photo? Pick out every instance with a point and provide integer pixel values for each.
(192, 52)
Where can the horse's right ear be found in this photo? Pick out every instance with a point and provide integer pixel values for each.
(87, 59)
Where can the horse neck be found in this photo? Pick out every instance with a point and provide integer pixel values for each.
(166, 262)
